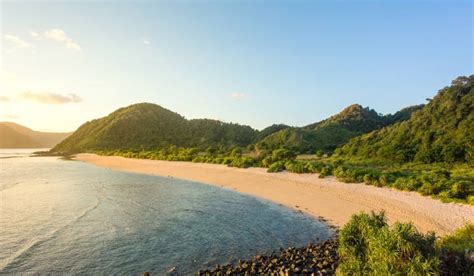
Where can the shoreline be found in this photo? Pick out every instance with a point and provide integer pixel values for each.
(320, 198)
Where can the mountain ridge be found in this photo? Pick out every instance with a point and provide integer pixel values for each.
(442, 131)
(145, 126)
(13, 135)
(150, 126)
(326, 135)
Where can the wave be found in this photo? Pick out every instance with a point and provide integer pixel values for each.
(37, 241)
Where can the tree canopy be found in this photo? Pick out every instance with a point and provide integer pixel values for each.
(442, 131)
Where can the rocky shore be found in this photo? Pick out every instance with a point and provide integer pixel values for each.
(315, 259)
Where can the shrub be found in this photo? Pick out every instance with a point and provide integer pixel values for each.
(227, 160)
(349, 174)
(295, 167)
(426, 189)
(368, 246)
(314, 167)
(470, 199)
(371, 179)
(242, 162)
(457, 252)
(277, 167)
(386, 179)
(236, 152)
(460, 189)
(325, 171)
(282, 153)
(267, 161)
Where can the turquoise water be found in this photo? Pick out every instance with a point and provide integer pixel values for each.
(59, 216)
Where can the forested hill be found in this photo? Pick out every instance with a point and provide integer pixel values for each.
(442, 131)
(354, 118)
(13, 135)
(328, 134)
(149, 126)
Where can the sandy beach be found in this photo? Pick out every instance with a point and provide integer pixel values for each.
(328, 198)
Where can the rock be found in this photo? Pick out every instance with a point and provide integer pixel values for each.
(313, 259)
(172, 270)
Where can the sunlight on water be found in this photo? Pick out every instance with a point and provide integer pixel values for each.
(62, 216)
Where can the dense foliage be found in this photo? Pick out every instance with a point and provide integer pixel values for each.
(457, 251)
(215, 155)
(270, 130)
(442, 131)
(428, 148)
(332, 132)
(148, 126)
(368, 246)
(448, 182)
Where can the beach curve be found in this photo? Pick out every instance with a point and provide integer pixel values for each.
(327, 197)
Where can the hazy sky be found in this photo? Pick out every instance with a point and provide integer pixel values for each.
(250, 62)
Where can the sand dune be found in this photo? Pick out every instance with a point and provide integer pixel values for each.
(326, 198)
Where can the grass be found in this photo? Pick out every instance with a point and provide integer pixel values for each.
(369, 246)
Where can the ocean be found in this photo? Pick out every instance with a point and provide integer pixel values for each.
(62, 216)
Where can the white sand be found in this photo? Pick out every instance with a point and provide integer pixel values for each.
(328, 198)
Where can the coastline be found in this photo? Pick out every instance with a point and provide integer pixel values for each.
(327, 198)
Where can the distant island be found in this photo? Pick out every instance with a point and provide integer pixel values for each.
(13, 135)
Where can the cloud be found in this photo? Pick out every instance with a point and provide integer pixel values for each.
(10, 116)
(34, 34)
(146, 42)
(60, 36)
(15, 40)
(238, 96)
(4, 99)
(50, 98)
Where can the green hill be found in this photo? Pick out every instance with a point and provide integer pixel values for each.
(149, 126)
(328, 134)
(442, 131)
(270, 130)
(13, 135)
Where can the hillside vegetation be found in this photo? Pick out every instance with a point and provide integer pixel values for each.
(148, 126)
(443, 131)
(337, 130)
(13, 135)
(423, 148)
(369, 246)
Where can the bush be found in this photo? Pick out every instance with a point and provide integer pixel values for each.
(242, 162)
(282, 153)
(314, 167)
(277, 167)
(427, 189)
(457, 252)
(267, 161)
(295, 167)
(325, 171)
(368, 246)
(460, 189)
(386, 179)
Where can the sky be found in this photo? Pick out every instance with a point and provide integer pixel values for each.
(248, 62)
